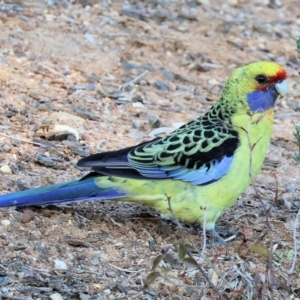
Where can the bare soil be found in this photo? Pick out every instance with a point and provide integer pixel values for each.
(66, 63)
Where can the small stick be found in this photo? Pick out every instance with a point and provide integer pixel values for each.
(21, 140)
(134, 80)
(295, 243)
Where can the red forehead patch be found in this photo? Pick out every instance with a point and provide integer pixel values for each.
(279, 76)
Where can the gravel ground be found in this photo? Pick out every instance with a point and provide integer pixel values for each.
(80, 77)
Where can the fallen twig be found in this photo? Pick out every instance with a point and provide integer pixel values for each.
(134, 80)
(21, 140)
(295, 244)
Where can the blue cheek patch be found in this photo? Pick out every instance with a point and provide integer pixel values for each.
(260, 101)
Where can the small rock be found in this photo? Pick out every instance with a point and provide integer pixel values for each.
(161, 86)
(45, 160)
(168, 75)
(5, 222)
(138, 105)
(119, 245)
(85, 87)
(95, 261)
(151, 292)
(107, 291)
(148, 66)
(136, 134)
(213, 81)
(290, 186)
(203, 2)
(5, 148)
(133, 293)
(177, 124)
(165, 293)
(136, 124)
(4, 280)
(161, 15)
(83, 112)
(56, 296)
(61, 132)
(35, 233)
(137, 98)
(187, 15)
(154, 121)
(110, 274)
(129, 66)
(263, 28)
(90, 38)
(132, 13)
(122, 289)
(28, 216)
(60, 265)
(101, 145)
(84, 296)
(177, 108)
(275, 4)
(103, 256)
(6, 169)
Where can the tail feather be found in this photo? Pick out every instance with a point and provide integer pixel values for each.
(80, 190)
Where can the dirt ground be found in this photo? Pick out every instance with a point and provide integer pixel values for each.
(66, 63)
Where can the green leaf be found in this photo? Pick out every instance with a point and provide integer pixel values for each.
(156, 262)
(151, 278)
(181, 251)
(284, 287)
(290, 255)
(296, 133)
(237, 248)
(190, 262)
(261, 250)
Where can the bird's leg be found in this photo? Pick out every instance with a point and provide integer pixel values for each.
(218, 240)
(170, 218)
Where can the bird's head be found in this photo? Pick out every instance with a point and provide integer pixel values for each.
(257, 86)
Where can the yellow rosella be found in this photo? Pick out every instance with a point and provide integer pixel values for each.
(202, 167)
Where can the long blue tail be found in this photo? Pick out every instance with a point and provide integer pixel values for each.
(80, 190)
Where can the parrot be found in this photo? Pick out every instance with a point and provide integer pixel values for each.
(194, 173)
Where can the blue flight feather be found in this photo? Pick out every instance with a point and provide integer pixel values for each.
(204, 175)
(177, 172)
(80, 190)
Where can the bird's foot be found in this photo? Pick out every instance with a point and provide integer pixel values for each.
(226, 233)
(217, 232)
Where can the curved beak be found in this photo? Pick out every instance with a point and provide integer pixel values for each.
(281, 88)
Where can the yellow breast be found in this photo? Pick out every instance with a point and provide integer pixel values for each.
(254, 135)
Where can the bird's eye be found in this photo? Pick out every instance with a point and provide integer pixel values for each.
(261, 79)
